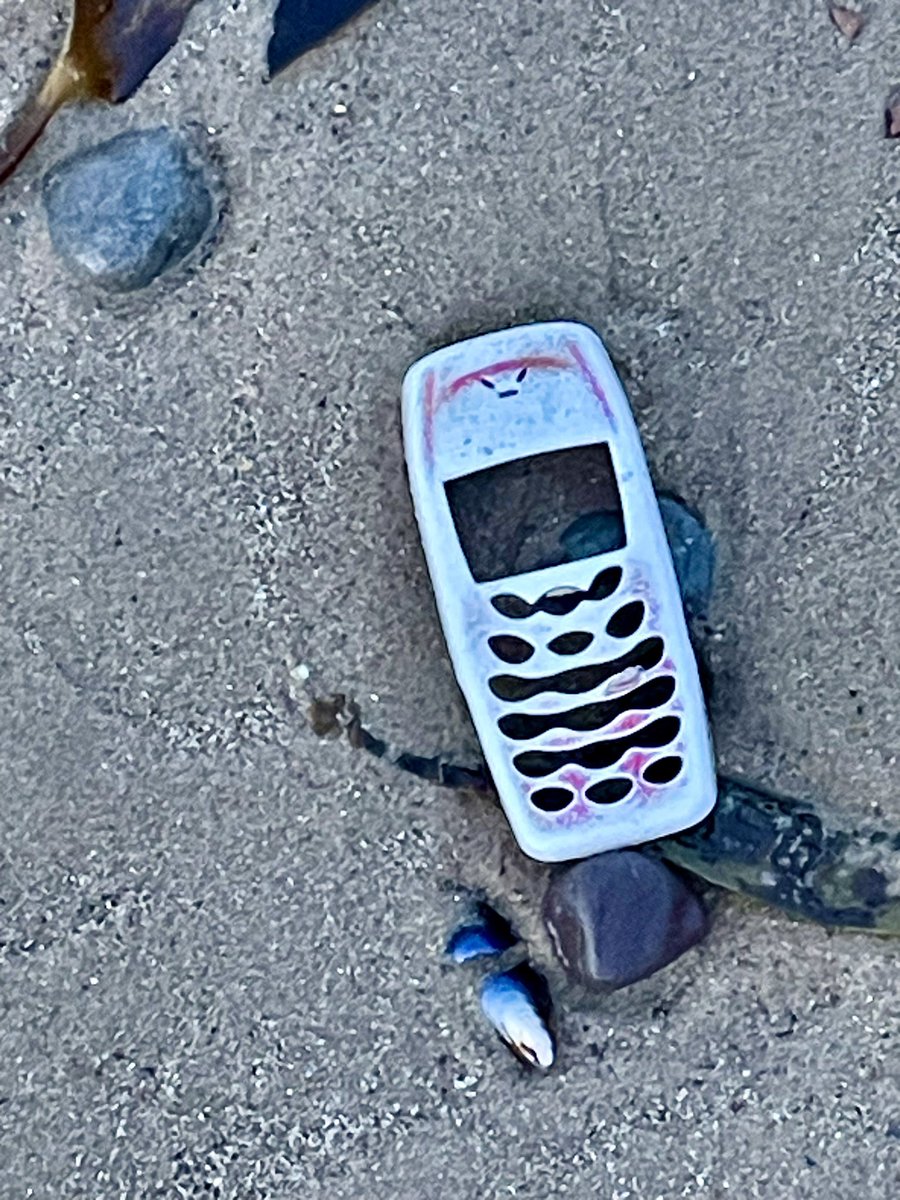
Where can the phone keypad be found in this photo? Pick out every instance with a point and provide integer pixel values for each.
(634, 732)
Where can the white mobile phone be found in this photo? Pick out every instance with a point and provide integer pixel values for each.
(556, 590)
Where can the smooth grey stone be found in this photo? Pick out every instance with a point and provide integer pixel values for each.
(122, 212)
(618, 917)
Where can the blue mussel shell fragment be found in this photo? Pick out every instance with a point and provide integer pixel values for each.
(485, 935)
(517, 1003)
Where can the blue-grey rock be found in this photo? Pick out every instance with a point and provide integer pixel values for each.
(693, 553)
(618, 917)
(122, 212)
(692, 545)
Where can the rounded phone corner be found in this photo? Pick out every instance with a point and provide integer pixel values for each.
(704, 808)
(539, 850)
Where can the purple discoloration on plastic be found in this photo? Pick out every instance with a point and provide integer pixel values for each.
(592, 379)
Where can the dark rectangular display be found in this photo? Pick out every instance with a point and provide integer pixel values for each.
(538, 512)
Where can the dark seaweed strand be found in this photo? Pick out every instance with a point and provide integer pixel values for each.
(769, 847)
(445, 774)
(778, 850)
(434, 769)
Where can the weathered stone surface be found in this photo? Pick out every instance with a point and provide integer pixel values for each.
(693, 553)
(619, 917)
(122, 212)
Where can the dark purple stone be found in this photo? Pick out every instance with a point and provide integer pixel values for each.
(618, 917)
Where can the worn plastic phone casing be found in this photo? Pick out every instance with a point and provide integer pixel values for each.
(576, 665)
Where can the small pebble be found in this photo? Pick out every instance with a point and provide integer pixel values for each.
(619, 917)
(848, 20)
(123, 212)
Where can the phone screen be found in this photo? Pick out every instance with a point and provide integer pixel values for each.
(538, 512)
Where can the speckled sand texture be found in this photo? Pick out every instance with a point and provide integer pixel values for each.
(221, 971)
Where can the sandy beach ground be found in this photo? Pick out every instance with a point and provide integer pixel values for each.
(220, 970)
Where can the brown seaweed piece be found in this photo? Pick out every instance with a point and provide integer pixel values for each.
(848, 21)
(111, 48)
(782, 852)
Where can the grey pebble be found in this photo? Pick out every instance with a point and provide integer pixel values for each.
(616, 918)
(124, 211)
